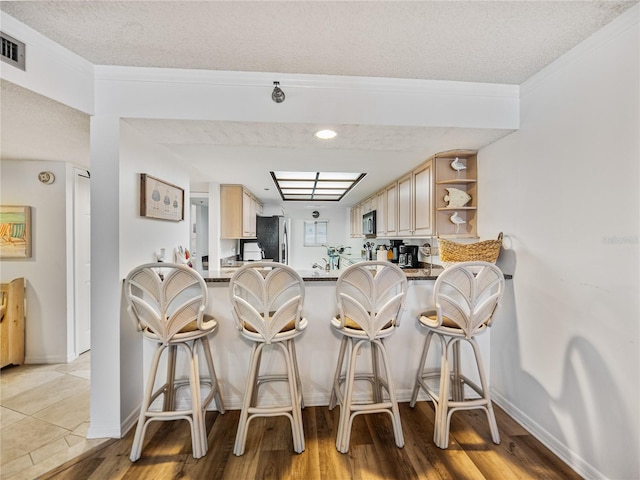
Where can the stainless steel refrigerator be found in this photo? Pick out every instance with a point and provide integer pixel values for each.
(273, 235)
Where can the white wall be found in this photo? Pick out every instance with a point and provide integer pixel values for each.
(140, 237)
(47, 271)
(302, 257)
(121, 239)
(564, 189)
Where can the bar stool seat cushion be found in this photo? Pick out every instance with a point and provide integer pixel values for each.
(353, 325)
(291, 325)
(430, 319)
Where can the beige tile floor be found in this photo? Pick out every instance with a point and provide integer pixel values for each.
(44, 417)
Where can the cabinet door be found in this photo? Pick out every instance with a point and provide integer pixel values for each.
(422, 178)
(247, 208)
(358, 220)
(381, 217)
(355, 222)
(231, 211)
(405, 207)
(392, 209)
(368, 205)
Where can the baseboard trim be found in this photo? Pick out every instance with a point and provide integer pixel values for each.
(130, 421)
(573, 460)
(46, 359)
(104, 431)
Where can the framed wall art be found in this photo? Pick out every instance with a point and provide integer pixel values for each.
(160, 199)
(15, 231)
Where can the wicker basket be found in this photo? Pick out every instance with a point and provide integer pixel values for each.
(486, 251)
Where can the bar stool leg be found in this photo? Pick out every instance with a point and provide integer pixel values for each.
(169, 400)
(336, 378)
(395, 412)
(215, 392)
(243, 423)
(297, 431)
(297, 370)
(441, 429)
(346, 419)
(493, 426)
(421, 367)
(138, 439)
(196, 419)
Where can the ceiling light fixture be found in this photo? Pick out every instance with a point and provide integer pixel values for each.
(277, 95)
(326, 134)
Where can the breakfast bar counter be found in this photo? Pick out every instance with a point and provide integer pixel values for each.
(429, 272)
(319, 345)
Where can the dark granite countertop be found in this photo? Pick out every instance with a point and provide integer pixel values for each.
(429, 272)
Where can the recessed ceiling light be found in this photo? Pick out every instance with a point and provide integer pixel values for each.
(326, 134)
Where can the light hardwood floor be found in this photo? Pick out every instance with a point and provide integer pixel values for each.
(372, 455)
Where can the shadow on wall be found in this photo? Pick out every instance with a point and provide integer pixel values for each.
(589, 399)
(601, 402)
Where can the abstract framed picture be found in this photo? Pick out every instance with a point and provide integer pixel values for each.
(15, 231)
(160, 199)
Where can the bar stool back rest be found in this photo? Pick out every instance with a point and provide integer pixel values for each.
(266, 304)
(163, 308)
(370, 298)
(468, 300)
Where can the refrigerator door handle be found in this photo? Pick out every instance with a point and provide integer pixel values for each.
(285, 244)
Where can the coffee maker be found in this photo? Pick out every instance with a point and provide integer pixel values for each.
(395, 250)
(408, 256)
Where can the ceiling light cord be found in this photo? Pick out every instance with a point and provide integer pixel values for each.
(277, 95)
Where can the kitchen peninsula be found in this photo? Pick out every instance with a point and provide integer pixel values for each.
(318, 346)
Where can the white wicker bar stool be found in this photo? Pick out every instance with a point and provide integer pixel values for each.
(267, 300)
(370, 298)
(466, 296)
(166, 302)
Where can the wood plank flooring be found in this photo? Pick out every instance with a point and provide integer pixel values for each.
(372, 454)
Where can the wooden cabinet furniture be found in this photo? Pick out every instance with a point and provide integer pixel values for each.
(12, 323)
(404, 206)
(238, 210)
(392, 209)
(415, 202)
(463, 179)
(422, 201)
(414, 205)
(381, 215)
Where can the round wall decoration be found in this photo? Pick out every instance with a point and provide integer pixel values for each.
(47, 177)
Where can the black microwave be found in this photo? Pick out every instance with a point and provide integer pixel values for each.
(369, 224)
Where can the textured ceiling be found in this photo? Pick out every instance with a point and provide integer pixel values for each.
(475, 41)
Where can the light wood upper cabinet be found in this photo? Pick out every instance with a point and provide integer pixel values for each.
(238, 209)
(422, 202)
(415, 205)
(392, 209)
(381, 213)
(463, 178)
(356, 220)
(405, 208)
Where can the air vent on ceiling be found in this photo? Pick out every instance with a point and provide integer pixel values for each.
(12, 51)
